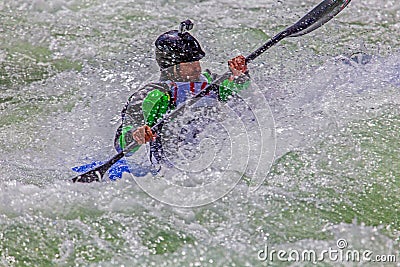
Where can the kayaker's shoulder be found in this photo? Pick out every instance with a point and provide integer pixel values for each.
(143, 91)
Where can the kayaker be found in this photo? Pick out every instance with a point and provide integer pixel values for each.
(177, 54)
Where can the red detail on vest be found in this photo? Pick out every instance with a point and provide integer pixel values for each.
(175, 91)
(204, 85)
(192, 89)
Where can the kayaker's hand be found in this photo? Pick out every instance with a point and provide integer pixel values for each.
(238, 66)
(143, 135)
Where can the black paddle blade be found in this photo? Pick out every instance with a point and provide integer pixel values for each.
(314, 19)
(96, 175)
(88, 177)
(317, 17)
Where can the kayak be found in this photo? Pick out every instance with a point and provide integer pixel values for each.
(114, 173)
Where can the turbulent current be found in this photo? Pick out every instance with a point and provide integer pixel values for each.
(327, 192)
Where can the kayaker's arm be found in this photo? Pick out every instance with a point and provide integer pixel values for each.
(142, 111)
(238, 81)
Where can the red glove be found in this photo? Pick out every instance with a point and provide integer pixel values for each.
(238, 65)
(143, 135)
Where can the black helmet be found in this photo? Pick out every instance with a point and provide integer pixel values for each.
(174, 47)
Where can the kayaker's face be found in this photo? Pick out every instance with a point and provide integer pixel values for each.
(190, 71)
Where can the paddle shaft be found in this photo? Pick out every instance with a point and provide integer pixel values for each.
(318, 16)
